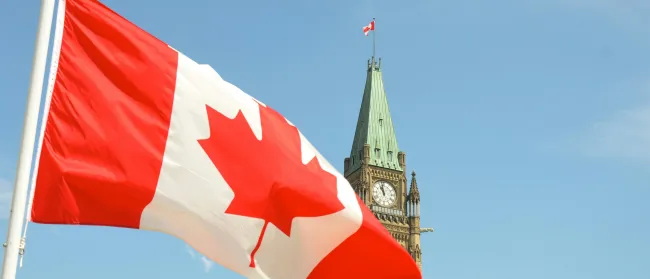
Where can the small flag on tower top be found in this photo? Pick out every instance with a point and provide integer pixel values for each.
(369, 27)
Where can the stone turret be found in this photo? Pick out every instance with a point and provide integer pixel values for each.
(413, 211)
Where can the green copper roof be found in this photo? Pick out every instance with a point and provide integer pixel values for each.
(375, 126)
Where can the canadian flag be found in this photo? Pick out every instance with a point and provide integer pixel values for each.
(137, 135)
(369, 27)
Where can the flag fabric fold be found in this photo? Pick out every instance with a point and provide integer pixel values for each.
(137, 135)
(369, 27)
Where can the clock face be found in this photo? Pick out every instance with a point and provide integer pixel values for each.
(383, 193)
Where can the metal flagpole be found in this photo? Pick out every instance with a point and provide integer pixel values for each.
(13, 246)
(374, 32)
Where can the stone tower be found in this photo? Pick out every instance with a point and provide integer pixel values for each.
(376, 168)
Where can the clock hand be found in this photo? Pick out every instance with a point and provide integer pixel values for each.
(382, 190)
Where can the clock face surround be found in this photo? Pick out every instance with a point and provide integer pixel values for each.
(384, 193)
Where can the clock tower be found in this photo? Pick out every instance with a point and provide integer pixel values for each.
(376, 168)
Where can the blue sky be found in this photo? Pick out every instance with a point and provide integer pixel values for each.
(528, 123)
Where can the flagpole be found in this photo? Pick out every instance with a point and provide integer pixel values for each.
(14, 245)
(374, 32)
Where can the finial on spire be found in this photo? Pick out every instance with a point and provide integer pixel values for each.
(374, 63)
(414, 192)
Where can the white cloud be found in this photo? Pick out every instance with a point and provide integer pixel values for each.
(625, 135)
(5, 197)
(205, 262)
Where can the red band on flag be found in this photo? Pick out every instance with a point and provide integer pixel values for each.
(108, 121)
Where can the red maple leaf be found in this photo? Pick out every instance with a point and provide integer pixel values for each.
(268, 177)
